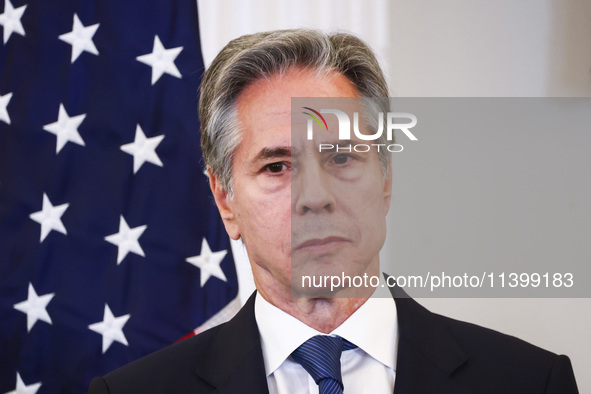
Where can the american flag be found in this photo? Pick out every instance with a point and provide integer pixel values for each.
(110, 244)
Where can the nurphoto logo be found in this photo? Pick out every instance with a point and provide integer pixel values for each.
(392, 120)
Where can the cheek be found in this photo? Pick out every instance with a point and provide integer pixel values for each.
(275, 217)
(371, 209)
(266, 218)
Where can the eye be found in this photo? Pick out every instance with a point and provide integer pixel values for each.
(275, 167)
(341, 158)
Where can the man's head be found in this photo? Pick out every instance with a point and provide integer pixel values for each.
(262, 55)
(334, 209)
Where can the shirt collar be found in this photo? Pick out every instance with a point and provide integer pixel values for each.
(373, 328)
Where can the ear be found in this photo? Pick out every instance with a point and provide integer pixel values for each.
(224, 204)
(388, 189)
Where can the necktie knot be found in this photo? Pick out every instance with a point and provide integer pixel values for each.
(321, 358)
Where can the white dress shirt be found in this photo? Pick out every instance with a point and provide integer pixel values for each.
(370, 368)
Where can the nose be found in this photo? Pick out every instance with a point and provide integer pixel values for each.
(311, 190)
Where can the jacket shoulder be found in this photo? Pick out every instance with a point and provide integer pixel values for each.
(493, 354)
(171, 369)
(461, 357)
(478, 340)
(224, 356)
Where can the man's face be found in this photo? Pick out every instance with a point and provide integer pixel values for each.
(326, 211)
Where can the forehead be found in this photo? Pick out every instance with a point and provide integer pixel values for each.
(266, 103)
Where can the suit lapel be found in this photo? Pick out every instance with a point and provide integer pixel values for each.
(233, 363)
(427, 352)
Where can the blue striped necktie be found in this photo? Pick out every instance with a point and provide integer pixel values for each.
(321, 357)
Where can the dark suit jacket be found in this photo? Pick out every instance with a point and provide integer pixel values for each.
(435, 355)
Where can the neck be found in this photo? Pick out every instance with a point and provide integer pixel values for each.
(324, 310)
(322, 314)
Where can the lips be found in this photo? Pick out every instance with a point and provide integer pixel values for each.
(321, 243)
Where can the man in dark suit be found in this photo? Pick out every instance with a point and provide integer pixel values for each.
(300, 211)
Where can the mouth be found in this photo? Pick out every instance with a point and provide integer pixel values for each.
(321, 244)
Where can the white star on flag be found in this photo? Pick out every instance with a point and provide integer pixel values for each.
(21, 388)
(11, 20)
(209, 263)
(111, 328)
(161, 60)
(65, 129)
(126, 240)
(35, 307)
(143, 149)
(49, 217)
(4, 100)
(80, 38)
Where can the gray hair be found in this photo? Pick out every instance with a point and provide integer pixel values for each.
(261, 55)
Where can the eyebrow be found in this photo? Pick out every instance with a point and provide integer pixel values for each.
(274, 152)
(339, 143)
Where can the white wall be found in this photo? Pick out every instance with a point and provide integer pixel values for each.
(435, 48)
(490, 48)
